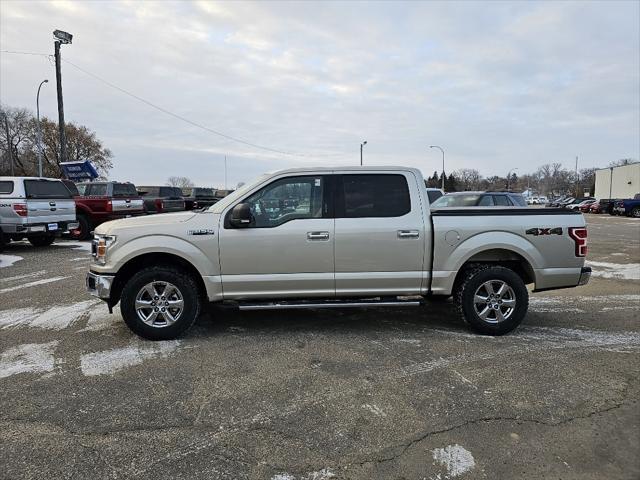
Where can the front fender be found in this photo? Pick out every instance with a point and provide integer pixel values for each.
(206, 265)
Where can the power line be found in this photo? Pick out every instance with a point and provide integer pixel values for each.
(175, 115)
(25, 53)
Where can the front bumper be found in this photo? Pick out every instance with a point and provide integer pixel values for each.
(99, 285)
(585, 275)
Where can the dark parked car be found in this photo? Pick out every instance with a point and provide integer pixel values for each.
(480, 199)
(161, 199)
(198, 197)
(560, 201)
(628, 206)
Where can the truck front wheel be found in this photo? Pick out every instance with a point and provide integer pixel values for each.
(493, 300)
(160, 303)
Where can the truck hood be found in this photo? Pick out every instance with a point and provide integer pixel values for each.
(145, 222)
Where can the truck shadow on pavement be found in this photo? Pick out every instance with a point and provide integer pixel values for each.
(406, 320)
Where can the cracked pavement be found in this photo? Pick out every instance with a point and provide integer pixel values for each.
(354, 394)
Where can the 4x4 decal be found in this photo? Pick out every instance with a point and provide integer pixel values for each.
(544, 231)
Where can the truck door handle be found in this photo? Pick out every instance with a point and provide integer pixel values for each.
(408, 233)
(317, 235)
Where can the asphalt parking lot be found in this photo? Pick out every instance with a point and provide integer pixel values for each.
(382, 393)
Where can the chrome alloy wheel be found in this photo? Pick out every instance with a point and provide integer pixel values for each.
(159, 304)
(494, 301)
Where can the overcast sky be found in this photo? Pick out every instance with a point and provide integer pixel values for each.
(497, 85)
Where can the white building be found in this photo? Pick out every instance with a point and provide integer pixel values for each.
(618, 182)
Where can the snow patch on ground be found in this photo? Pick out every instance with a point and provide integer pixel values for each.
(323, 474)
(8, 260)
(86, 246)
(22, 277)
(456, 459)
(619, 271)
(54, 318)
(100, 319)
(32, 284)
(111, 361)
(28, 358)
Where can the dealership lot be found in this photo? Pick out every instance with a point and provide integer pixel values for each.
(378, 393)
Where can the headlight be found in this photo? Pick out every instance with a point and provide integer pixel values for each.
(100, 246)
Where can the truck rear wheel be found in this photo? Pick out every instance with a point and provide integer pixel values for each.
(160, 303)
(83, 232)
(493, 300)
(41, 240)
(635, 212)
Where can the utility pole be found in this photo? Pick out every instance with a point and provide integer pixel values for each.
(362, 145)
(39, 131)
(577, 179)
(6, 129)
(61, 38)
(225, 172)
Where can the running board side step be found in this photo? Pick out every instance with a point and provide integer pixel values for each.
(284, 305)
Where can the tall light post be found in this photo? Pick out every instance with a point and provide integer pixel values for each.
(440, 148)
(509, 177)
(61, 38)
(362, 145)
(39, 132)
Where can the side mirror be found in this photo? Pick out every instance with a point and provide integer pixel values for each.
(240, 215)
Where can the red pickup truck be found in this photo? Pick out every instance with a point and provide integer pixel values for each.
(99, 202)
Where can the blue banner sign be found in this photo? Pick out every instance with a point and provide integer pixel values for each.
(79, 171)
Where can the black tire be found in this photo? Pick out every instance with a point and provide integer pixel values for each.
(635, 212)
(473, 281)
(42, 240)
(187, 288)
(83, 232)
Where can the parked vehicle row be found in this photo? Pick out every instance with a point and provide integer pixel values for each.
(41, 208)
(480, 199)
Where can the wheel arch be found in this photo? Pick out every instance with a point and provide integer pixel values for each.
(139, 262)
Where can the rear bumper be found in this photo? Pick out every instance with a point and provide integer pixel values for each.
(39, 228)
(99, 285)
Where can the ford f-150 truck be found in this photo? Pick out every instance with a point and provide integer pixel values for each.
(98, 202)
(34, 208)
(358, 236)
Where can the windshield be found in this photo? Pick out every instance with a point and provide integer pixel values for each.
(456, 201)
(239, 193)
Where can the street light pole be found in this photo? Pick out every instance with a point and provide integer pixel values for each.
(440, 148)
(509, 177)
(39, 132)
(362, 145)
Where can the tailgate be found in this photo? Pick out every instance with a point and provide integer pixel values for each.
(123, 205)
(50, 211)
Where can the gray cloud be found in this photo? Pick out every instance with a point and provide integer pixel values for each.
(498, 84)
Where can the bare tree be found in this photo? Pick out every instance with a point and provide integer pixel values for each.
(181, 182)
(82, 144)
(468, 178)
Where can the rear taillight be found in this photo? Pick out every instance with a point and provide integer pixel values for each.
(159, 205)
(20, 209)
(109, 206)
(579, 236)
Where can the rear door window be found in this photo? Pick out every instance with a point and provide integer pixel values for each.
(46, 189)
(97, 189)
(373, 195)
(6, 186)
(433, 195)
(518, 200)
(486, 201)
(502, 201)
(124, 190)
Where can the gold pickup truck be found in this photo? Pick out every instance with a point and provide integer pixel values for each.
(335, 237)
